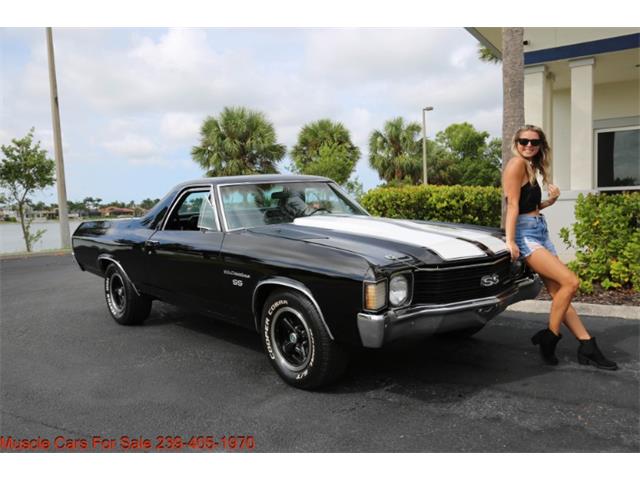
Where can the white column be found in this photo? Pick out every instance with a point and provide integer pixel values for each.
(581, 147)
(538, 88)
(534, 95)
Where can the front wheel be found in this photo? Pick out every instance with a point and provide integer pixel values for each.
(125, 305)
(297, 343)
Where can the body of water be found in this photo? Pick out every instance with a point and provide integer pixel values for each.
(12, 241)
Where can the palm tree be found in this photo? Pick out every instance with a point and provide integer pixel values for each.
(239, 142)
(512, 87)
(325, 148)
(395, 151)
(487, 55)
(512, 91)
(512, 83)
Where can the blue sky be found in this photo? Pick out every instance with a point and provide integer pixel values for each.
(132, 100)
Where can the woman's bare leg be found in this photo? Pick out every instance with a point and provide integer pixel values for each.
(549, 266)
(571, 318)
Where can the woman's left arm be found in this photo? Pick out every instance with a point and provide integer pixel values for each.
(554, 193)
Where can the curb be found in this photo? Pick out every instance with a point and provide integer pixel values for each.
(628, 312)
(21, 255)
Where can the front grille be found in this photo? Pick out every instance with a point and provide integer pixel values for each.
(461, 282)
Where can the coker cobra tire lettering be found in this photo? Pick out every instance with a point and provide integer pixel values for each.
(297, 343)
(125, 305)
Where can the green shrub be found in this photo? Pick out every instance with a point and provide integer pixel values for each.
(606, 237)
(456, 203)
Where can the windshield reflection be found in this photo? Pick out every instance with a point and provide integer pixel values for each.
(253, 205)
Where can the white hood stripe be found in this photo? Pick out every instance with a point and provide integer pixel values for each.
(448, 243)
(493, 244)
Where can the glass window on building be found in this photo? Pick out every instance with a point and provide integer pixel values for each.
(618, 158)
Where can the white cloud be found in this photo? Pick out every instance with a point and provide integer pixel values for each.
(180, 126)
(150, 161)
(143, 94)
(361, 123)
(376, 54)
(132, 146)
(463, 56)
(180, 50)
(5, 138)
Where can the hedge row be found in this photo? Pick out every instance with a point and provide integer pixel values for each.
(606, 237)
(459, 204)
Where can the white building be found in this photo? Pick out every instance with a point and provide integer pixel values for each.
(582, 86)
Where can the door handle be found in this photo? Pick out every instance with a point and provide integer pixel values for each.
(150, 245)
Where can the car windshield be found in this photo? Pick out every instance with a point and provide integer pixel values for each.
(252, 205)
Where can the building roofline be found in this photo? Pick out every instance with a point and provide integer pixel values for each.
(576, 50)
(483, 40)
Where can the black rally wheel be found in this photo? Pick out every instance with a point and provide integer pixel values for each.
(297, 343)
(125, 305)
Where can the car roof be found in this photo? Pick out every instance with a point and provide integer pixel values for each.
(266, 178)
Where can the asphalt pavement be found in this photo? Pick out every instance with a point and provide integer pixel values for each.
(71, 376)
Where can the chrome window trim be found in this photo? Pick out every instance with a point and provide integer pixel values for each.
(345, 194)
(291, 284)
(181, 195)
(233, 184)
(212, 202)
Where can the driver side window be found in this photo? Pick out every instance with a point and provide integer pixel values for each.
(193, 212)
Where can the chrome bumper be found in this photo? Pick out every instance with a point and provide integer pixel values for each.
(423, 320)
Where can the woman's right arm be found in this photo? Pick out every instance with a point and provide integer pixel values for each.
(511, 180)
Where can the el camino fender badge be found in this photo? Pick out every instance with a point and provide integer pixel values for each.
(236, 274)
(490, 280)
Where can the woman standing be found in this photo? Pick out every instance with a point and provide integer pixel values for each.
(528, 239)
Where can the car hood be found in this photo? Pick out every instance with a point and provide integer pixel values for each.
(384, 241)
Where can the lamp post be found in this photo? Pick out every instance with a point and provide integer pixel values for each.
(424, 143)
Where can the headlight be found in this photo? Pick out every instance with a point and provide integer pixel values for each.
(375, 295)
(398, 290)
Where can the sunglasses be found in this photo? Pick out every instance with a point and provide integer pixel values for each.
(526, 141)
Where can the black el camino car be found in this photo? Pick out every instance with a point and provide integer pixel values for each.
(296, 259)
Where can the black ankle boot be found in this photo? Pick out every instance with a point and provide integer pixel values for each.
(590, 354)
(547, 341)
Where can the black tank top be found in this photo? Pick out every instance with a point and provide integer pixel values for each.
(530, 196)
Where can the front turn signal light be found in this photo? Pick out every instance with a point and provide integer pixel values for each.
(375, 295)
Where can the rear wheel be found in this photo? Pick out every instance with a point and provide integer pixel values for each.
(297, 343)
(125, 305)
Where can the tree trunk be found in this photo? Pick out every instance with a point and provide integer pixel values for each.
(25, 228)
(512, 92)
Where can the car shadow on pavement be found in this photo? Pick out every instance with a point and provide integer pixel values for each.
(440, 368)
(164, 314)
(444, 369)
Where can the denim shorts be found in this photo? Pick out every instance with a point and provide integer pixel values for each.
(531, 234)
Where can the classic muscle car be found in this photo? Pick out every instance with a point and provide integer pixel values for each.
(296, 259)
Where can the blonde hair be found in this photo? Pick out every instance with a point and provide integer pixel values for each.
(541, 162)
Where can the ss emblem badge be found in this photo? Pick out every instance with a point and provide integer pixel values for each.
(490, 280)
